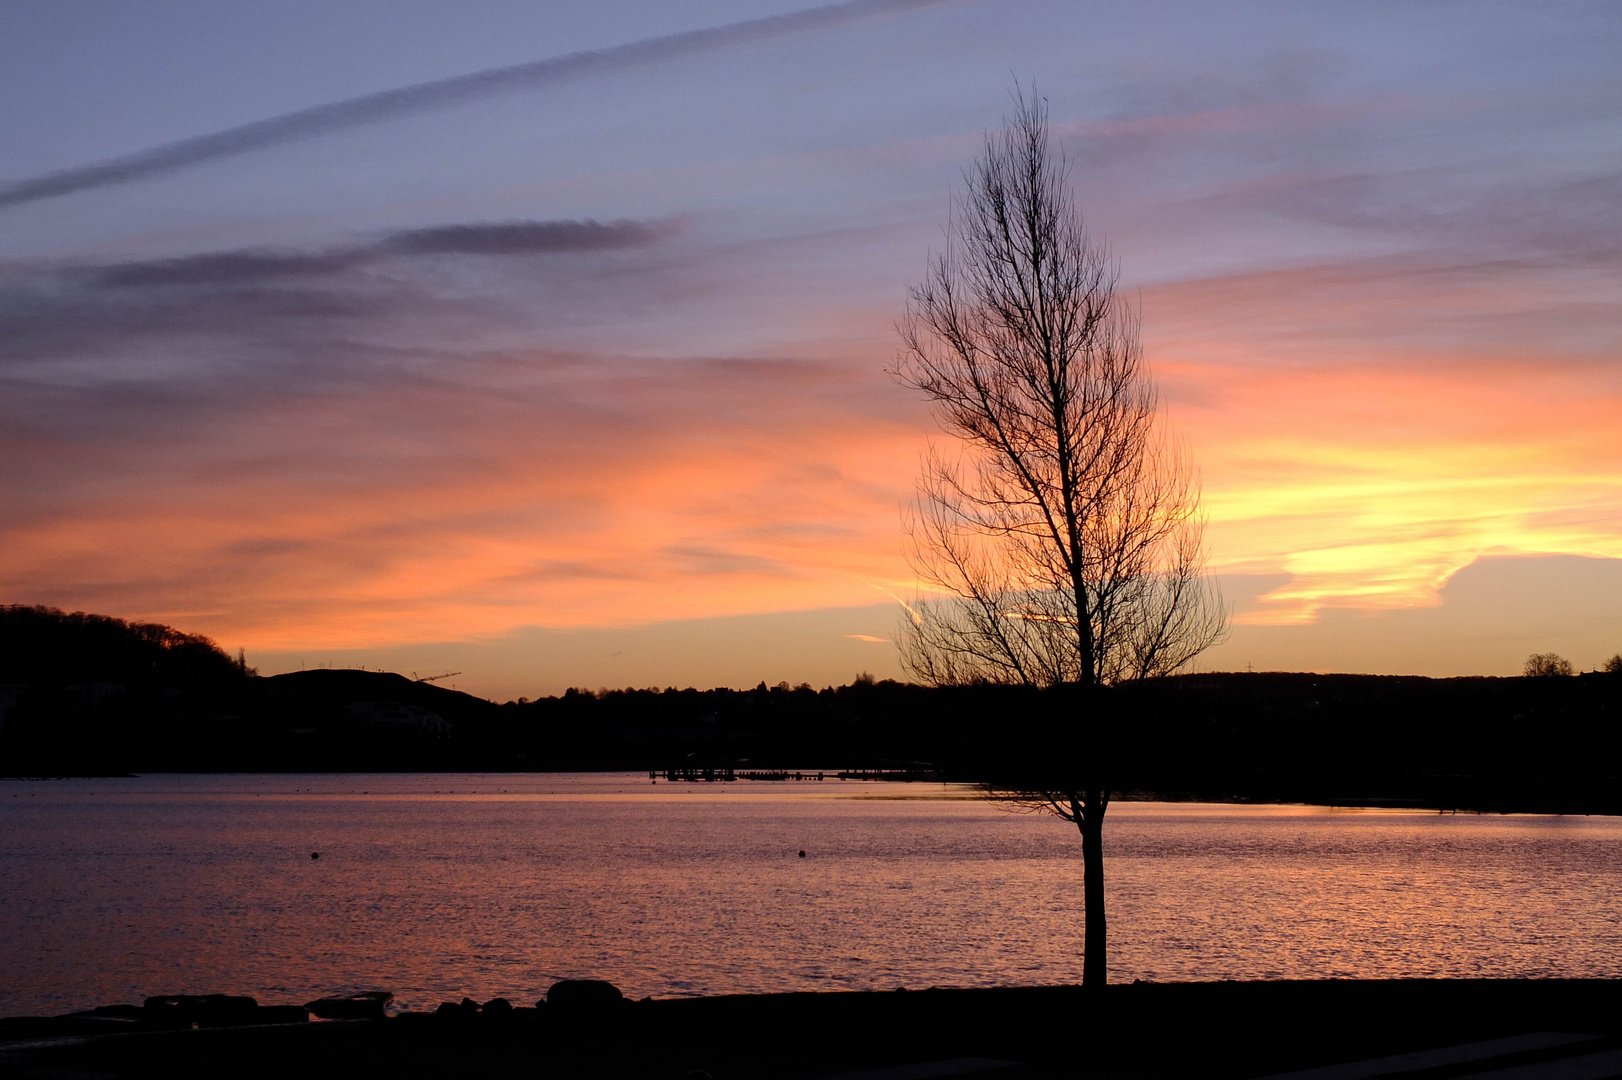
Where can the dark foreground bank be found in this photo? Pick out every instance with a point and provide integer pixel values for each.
(1503, 1029)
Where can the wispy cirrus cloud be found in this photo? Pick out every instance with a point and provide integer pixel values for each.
(254, 302)
(440, 94)
(494, 239)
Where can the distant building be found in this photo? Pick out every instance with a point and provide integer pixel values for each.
(86, 695)
(399, 715)
(9, 693)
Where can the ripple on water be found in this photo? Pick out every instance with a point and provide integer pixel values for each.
(437, 886)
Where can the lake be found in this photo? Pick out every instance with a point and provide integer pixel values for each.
(437, 886)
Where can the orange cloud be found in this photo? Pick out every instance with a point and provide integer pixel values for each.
(1361, 435)
(599, 493)
(1342, 448)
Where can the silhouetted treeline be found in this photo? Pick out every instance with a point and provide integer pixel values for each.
(50, 647)
(1503, 744)
(79, 692)
(85, 694)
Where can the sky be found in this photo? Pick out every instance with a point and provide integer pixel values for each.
(547, 343)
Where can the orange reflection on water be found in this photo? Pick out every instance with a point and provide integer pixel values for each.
(440, 886)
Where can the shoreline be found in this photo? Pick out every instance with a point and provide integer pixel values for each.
(1375, 803)
(1218, 1029)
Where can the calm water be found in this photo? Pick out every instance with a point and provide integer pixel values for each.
(438, 886)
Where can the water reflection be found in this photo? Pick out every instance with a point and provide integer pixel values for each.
(439, 886)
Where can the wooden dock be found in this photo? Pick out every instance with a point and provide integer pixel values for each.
(729, 773)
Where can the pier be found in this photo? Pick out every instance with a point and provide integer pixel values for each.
(729, 773)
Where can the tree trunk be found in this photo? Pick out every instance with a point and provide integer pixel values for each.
(1094, 967)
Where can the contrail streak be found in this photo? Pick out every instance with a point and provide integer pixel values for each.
(424, 97)
(917, 620)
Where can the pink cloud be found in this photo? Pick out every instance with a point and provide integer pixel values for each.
(588, 491)
(1349, 438)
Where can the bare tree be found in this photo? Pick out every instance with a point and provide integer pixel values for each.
(1058, 542)
(1546, 665)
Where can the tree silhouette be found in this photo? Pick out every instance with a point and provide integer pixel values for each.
(1546, 664)
(1058, 541)
(45, 645)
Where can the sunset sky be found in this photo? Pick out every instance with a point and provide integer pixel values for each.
(546, 343)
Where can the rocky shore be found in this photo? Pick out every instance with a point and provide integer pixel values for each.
(1508, 1029)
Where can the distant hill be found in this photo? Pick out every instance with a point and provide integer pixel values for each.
(82, 693)
(87, 694)
(77, 691)
(333, 695)
(1503, 744)
(45, 646)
